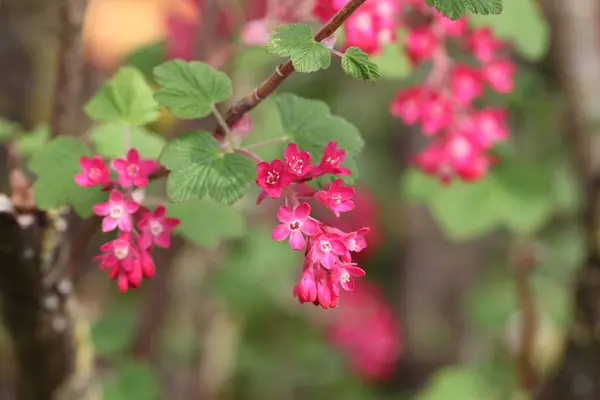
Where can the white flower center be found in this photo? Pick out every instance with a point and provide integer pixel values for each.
(121, 251)
(294, 225)
(117, 212)
(155, 227)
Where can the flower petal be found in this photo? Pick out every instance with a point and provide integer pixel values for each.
(108, 224)
(310, 227)
(115, 196)
(302, 211)
(125, 223)
(101, 209)
(285, 214)
(297, 240)
(280, 232)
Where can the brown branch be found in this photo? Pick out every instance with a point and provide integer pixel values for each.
(282, 72)
(576, 43)
(524, 263)
(69, 82)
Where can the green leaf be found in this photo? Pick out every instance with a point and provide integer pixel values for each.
(146, 58)
(531, 39)
(191, 89)
(199, 168)
(297, 42)
(113, 332)
(310, 124)
(8, 130)
(454, 9)
(133, 380)
(517, 196)
(484, 7)
(207, 223)
(126, 98)
(30, 142)
(356, 63)
(109, 141)
(55, 166)
(453, 383)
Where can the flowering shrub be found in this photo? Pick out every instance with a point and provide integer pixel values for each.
(208, 171)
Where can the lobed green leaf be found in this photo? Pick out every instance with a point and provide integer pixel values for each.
(191, 89)
(356, 63)
(126, 98)
(297, 42)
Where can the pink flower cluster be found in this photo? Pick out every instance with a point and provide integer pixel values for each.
(372, 25)
(327, 250)
(443, 104)
(366, 330)
(128, 257)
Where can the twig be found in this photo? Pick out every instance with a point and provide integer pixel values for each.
(524, 263)
(282, 71)
(69, 82)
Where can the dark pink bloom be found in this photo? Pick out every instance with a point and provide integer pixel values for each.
(156, 228)
(490, 126)
(407, 105)
(273, 177)
(500, 75)
(452, 28)
(147, 264)
(337, 198)
(297, 162)
(466, 84)
(121, 258)
(326, 248)
(365, 328)
(306, 289)
(421, 43)
(295, 224)
(327, 291)
(94, 172)
(355, 242)
(331, 160)
(343, 274)
(134, 171)
(116, 212)
(483, 44)
(436, 113)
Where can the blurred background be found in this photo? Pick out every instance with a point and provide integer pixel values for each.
(472, 290)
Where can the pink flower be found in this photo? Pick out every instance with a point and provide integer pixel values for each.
(94, 172)
(120, 257)
(306, 289)
(256, 32)
(452, 28)
(331, 160)
(295, 224)
(407, 105)
(436, 113)
(134, 171)
(155, 228)
(355, 242)
(273, 177)
(147, 264)
(500, 75)
(489, 127)
(483, 44)
(337, 198)
(327, 291)
(343, 274)
(421, 43)
(116, 212)
(297, 162)
(466, 84)
(326, 248)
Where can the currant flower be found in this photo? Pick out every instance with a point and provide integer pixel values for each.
(273, 177)
(326, 248)
(296, 162)
(331, 160)
(116, 212)
(344, 273)
(295, 224)
(95, 172)
(134, 171)
(156, 228)
(337, 198)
